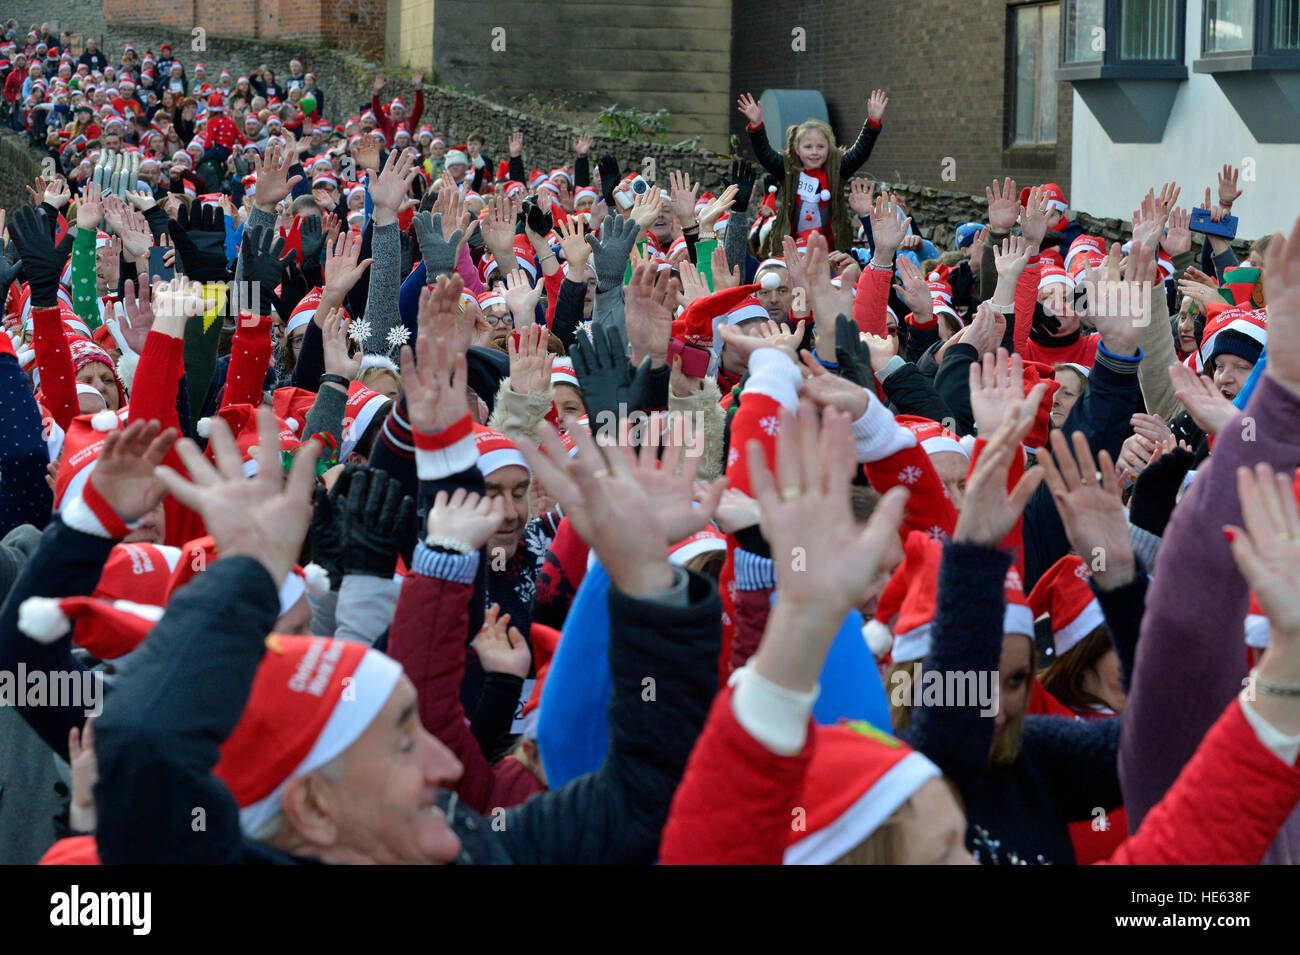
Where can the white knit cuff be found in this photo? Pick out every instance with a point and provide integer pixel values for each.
(773, 373)
(775, 716)
(1285, 748)
(876, 435)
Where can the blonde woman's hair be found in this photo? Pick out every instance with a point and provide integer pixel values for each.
(375, 371)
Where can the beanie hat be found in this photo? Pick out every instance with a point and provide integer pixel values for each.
(496, 451)
(456, 157)
(1063, 594)
(857, 778)
(1243, 285)
(293, 722)
(966, 232)
(1236, 330)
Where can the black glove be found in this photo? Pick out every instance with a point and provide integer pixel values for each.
(608, 387)
(10, 266)
(609, 178)
(852, 354)
(261, 268)
(313, 240)
(742, 177)
(41, 264)
(205, 257)
(537, 220)
(1156, 491)
(378, 520)
(325, 531)
(1044, 321)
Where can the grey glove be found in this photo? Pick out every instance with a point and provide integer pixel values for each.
(439, 253)
(611, 251)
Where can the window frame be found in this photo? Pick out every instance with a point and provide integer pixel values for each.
(1009, 139)
(1262, 55)
(1111, 65)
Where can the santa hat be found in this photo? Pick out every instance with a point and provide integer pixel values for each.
(81, 446)
(311, 699)
(360, 410)
(562, 373)
(216, 102)
(562, 173)
(1017, 618)
(242, 419)
(303, 312)
(545, 641)
(857, 779)
(396, 104)
(705, 541)
(1055, 201)
(1055, 275)
(918, 577)
(496, 451)
(698, 323)
(583, 193)
(1236, 330)
(509, 189)
(106, 629)
(1035, 372)
(139, 572)
(1063, 594)
(931, 435)
(489, 299)
(291, 406)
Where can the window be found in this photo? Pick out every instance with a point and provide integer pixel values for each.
(1260, 27)
(1229, 25)
(1125, 38)
(1037, 33)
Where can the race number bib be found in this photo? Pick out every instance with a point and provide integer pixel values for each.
(808, 188)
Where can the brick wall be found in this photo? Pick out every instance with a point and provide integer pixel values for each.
(943, 62)
(19, 165)
(356, 25)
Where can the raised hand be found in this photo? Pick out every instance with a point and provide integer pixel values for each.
(573, 243)
(1282, 292)
(989, 510)
(751, 108)
(683, 194)
(986, 330)
(1011, 257)
(530, 363)
(1004, 205)
(334, 341)
(1267, 552)
(862, 198)
(1149, 221)
(1033, 219)
(516, 143)
(1228, 190)
(649, 313)
(1178, 234)
(124, 471)
(611, 250)
(1204, 402)
(435, 387)
(913, 290)
(85, 773)
(90, 207)
(1119, 308)
(390, 188)
(272, 182)
(342, 270)
(833, 391)
(1088, 496)
(876, 106)
(716, 207)
(500, 648)
(888, 226)
(582, 145)
(378, 524)
(997, 390)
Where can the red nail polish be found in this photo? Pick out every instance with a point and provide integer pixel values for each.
(1229, 534)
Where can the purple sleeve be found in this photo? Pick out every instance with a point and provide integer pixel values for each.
(473, 284)
(1191, 656)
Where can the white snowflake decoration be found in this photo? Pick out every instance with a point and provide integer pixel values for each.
(733, 456)
(771, 424)
(398, 336)
(359, 331)
(909, 475)
(938, 533)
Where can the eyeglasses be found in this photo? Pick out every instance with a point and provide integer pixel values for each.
(507, 319)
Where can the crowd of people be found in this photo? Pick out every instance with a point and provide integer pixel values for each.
(408, 506)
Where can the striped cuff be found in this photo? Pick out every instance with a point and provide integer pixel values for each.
(1145, 544)
(91, 514)
(457, 568)
(754, 572)
(1120, 364)
(448, 452)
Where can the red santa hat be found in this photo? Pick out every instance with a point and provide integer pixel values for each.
(1055, 275)
(291, 406)
(1055, 202)
(1063, 594)
(360, 410)
(81, 446)
(918, 579)
(535, 178)
(489, 299)
(511, 188)
(311, 699)
(138, 572)
(242, 419)
(216, 102)
(584, 193)
(396, 104)
(1017, 618)
(931, 435)
(857, 778)
(496, 451)
(705, 541)
(106, 629)
(1232, 321)
(698, 323)
(562, 372)
(303, 312)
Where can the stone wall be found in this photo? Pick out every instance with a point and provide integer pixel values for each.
(19, 165)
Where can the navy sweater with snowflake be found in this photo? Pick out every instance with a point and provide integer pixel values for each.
(25, 498)
(1066, 768)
